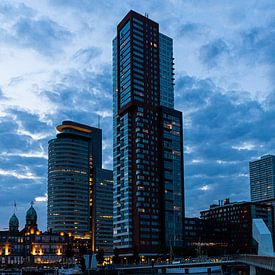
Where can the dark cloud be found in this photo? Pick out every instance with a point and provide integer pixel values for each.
(23, 166)
(83, 5)
(225, 130)
(213, 51)
(258, 44)
(30, 121)
(82, 92)
(85, 56)
(82, 96)
(43, 35)
(192, 29)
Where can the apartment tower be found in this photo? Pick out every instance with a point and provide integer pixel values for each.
(148, 150)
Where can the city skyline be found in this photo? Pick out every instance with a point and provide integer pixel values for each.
(49, 61)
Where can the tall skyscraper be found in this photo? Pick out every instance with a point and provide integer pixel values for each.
(148, 150)
(262, 178)
(75, 179)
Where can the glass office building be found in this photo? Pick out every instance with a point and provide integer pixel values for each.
(143, 101)
(262, 178)
(76, 182)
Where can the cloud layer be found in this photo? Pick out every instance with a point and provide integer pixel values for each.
(55, 63)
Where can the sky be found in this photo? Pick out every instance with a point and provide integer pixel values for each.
(56, 64)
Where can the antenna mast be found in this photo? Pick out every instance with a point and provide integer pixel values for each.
(98, 121)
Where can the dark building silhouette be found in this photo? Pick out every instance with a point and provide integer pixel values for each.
(205, 237)
(75, 178)
(148, 151)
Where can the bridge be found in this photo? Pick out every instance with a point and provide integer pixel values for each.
(162, 267)
(262, 265)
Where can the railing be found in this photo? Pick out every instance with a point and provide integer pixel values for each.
(188, 262)
(264, 262)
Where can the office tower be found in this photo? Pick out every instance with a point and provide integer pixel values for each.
(75, 175)
(148, 153)
(262, 178)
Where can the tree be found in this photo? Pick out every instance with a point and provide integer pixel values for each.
(100, 256)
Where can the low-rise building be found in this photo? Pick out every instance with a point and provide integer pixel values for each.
(237, 219)
(30, 246)
(206, 236)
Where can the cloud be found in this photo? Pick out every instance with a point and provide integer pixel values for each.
(12, 10)
(2, 95)
(85, 56)
(225, 129)
(225, 88)
(258, 43)
(192, 30)
(42, 198)
(211, 53)
(43, 35)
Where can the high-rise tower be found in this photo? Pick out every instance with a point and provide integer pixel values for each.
(148, 151)
(76, 182)
(262, 178)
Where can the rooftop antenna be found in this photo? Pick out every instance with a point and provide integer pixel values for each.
(146, 15)
(98, 121)
(14, 205)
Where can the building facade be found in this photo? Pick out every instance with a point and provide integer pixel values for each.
(75, 175)
(262, 178)
(148, 153)
(237, 219)
(30, 246)
(103, 212)
(205, 237)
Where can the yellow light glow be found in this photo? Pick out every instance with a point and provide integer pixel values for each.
(106, 217)
(33, 251)
(59, 251)
(7, 250)
(60, 128)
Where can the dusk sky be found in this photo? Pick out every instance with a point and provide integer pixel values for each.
(56, 64)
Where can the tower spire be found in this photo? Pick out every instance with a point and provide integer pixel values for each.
(14, 207)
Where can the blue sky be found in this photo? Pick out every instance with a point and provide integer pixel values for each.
(55, 64)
